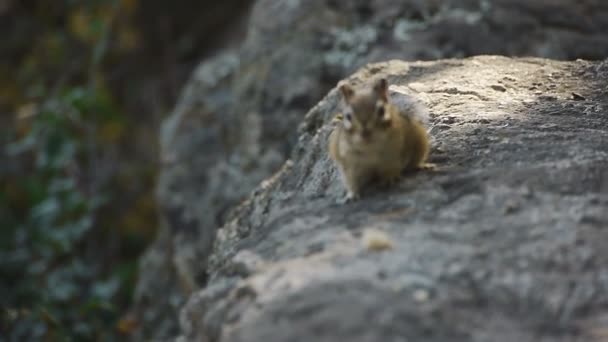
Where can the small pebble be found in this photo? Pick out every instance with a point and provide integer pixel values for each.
(578, 97)
(499, 87)
(421, 295)
(376, 240)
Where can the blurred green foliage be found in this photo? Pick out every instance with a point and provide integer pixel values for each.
(57, 289)
(84, 85)
(76, 204)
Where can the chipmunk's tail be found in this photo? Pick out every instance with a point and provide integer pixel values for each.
(408, 105)
(412, 107)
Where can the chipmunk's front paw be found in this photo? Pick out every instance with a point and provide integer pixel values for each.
(350, 197)
(427, 167)
(390, 181)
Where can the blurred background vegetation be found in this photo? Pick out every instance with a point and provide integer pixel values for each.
(83, 88)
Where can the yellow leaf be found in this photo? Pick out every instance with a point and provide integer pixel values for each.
(107, 13)
(139, 218)
(79, 23)
(127, 325)
(53, 48)
(9, 92)
(128, 6)
(128, 39)
(25, 114)
(26, 111)
(111, 132)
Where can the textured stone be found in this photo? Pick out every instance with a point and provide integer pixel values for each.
(237, 119)
(505, 241)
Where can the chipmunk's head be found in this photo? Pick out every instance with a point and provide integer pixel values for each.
(366, 114)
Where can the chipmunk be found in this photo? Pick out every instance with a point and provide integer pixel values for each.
(374, 140)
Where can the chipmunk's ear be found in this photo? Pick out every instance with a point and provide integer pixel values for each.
(381, 88)
(347, 91)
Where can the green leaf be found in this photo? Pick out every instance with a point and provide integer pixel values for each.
(106, 289)
(46, 211)
(19, 147)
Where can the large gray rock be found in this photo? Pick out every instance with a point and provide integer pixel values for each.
(236, 121)
(506, 241)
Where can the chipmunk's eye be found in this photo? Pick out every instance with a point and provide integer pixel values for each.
(348, 124)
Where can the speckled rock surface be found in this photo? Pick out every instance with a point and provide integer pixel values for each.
(506, 241)
(237, 118)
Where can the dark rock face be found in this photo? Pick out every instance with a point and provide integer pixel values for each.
(506, 241)
(237, 119)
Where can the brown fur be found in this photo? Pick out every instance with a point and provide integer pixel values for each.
(374, 140)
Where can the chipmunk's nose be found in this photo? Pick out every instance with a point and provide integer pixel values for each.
(366, 134)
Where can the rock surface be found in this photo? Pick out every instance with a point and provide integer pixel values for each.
(506, 241)
(236, 121)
